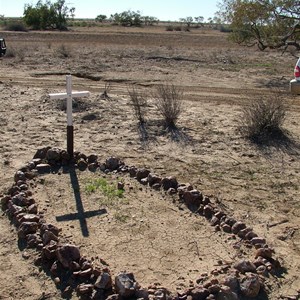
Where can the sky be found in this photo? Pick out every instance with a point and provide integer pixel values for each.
(164, 10)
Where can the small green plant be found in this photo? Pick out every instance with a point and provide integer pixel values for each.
(101, 184)
(120, 217)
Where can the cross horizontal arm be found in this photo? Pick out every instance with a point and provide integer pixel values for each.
(65, 95)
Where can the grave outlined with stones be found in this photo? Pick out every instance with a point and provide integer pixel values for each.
(73, 272)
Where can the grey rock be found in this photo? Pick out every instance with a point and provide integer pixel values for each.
(125, 284)
(250, 286)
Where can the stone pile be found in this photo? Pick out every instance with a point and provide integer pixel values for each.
(73, 272)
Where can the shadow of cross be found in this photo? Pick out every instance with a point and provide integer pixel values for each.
(80, 215)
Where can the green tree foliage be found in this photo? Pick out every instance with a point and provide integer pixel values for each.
(47, 15)
(100, 18)
(188, 21)
(127, 18)
(273, 24)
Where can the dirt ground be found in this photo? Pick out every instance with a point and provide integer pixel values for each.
(145, 232)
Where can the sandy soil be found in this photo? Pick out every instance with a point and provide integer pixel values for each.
(147, 233)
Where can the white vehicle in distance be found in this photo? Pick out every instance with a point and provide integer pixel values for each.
(295, 83)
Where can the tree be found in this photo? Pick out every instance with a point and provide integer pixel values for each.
(47, 15)
(188, 21)
(199, 20)
(273, 24)
(127, 18)
(101, 18)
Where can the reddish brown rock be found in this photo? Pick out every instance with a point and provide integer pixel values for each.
(49, 236)
(244, 266)
(238, 226)
(199, 293)
(26, 228)
(192, 198)
(153, 179)
(264, 252)
(67, 253)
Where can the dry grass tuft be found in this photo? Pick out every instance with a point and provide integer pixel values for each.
(168, 101)
(262, 119)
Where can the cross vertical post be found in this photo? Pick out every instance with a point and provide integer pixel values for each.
(68, 96)
(70, 128)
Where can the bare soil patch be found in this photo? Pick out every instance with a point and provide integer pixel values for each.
(259, 185)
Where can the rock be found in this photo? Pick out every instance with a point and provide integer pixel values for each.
(92, 167)
(120, 185)
(227, 295)
(28, 218)
(104, 281)
(49, 251)
(84, 289)
(229, 221)
(14, 210)
(142, 173)
(53, 154)
(41, 153)
(237, 227)
(160, 294)
(113, 297)
(4, 202)
(55, 230)
(113, 163)
(171, 191)
(144, 181)
(242, 233)
(169, 182)
(250, 286)
(43, 168)
(82, 164)
(33, 240)
(156, 186)
(26, 228)
(258, 241)
(142, 294)
(232, 282)
(153, 179)
(214, 289)
(244, 266)
(214, 221)
(67, 253)
(226, 228)
(54, 270)
(199, 293)
(262, 270)
(92, 158)
(125, 284)
(19, 175)
(264, 252)
(208, 211)
(250, 235)
(22, 200)
(132, 171)
(49, 236)
(192, 198)
(32, 209)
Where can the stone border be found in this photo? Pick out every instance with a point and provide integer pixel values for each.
(73, 272)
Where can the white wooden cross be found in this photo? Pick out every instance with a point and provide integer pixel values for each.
(68, 95)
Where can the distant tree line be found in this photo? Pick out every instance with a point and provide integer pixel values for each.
(128, 18)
